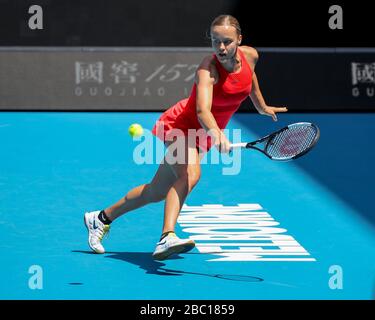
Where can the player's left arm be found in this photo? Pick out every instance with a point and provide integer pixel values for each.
(256, 96)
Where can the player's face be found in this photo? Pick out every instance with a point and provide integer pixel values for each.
(225, 41)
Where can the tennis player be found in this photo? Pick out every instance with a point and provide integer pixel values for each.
(223, 80)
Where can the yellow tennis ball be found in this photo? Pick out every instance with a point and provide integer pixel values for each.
(135, 130)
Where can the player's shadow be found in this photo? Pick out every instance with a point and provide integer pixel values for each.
(145, 261)
(141, 259)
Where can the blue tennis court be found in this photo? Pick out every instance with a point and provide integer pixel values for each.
(290, 230)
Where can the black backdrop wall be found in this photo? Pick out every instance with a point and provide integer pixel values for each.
(121, 78)
(182, 23)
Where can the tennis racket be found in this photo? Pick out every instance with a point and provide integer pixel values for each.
(288, 143)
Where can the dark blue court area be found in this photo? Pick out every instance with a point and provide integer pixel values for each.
(302, 229)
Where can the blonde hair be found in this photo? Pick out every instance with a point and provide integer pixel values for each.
(226, 20)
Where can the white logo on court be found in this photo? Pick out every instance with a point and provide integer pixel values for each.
(240, 233)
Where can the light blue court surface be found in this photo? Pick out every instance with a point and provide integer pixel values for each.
(55, 166)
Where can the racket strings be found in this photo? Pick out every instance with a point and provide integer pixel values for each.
(291, 142)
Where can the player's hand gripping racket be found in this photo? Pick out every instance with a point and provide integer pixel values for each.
(288, 143)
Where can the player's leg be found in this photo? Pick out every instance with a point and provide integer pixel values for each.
(154, 191)
(187, 174)
(98, 222)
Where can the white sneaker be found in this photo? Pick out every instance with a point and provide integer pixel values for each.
(172, 244)
(96, 229)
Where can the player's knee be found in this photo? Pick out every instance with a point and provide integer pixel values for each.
(191, 176)
(194, 178)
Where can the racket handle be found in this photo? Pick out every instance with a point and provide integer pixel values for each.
(238, 145)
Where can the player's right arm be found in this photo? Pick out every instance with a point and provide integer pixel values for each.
(205, 78)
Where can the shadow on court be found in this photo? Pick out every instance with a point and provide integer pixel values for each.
(144, 261)
(342, 159)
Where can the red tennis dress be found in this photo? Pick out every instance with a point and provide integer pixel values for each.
(228, 93)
